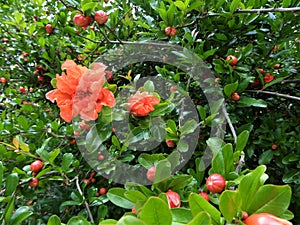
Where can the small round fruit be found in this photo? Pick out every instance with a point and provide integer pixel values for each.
(102, 191)
(274, 146)
(3, 80)
(101, 17)
(81, 20)
(173, 88)
(101, 157)
(34, 182)
(49, 29)
(173, 199)
(36, 166)
(232, 60)
(268, 78)
(133, 210)
(170, 143)
(22, 90)
(86, 181)
(40, 78)
(261, 71)
(215, 183)
(204, 195)
(151, 173)
(277, 66)
(170, 31)
(235, 97)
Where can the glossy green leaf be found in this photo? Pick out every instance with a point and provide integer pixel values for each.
(1, 173)
(108, 222)
(198, 204)
(234, 5)
(222, 163)
(11, 184)
(242, 141)
(265, 157)
(77, 220)
(130, 220)
(66, 162)
(247, 101)
(20, 215)
(180, 181)
(271, 199)
(230, 204)
(54, 220)
(117, 196)
(249, 185)
(202, 218)
(156, 212)
(134, 196)
(229, 89)
(181, 216)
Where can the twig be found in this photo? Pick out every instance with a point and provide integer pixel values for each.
(70, 6)
(274, 93)
(86, 204)
(293, 9)
(240, 163)
(229, 124)
(55, 135)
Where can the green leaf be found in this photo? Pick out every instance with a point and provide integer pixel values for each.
(215, 144)
(271, 199)
(54, 220)
(234, 5)
(20, 215)
(229, 204)
(1, 173)
(180, 181)
(188, 127)
(229, 89)
(77, 220)
(202, 218)
(53, 155)
(242, 141)
(130, 220)
(66, 162)
(223, 162)
(23, 122)
(249, 185)
(286, 3)
(149, 86)
(9, 209)
(134, 196)
(11, 184)
(246, 102)
(180, 5)
(108, 222)
(181, 215)
(198, 204)
(265, 157)
(117, 196)
(163, 171)
(88, 6)
(156, 212)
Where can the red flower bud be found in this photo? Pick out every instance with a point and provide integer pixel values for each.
(215, 183)
(264, 219)
(173, 199)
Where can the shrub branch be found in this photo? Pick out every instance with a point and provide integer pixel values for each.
(274, 93)
(293, 9)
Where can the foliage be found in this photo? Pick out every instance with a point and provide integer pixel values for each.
(265, 119)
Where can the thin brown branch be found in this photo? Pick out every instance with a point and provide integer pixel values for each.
(229, 124)
(275, 94)
(86, 204)
(293, 9)
(70, 6)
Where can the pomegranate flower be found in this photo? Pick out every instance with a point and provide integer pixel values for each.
(142, 103)
(173, 199)
(79, 91)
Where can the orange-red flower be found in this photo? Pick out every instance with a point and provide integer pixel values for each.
(268, 78)
(79, 91)
(142, 103)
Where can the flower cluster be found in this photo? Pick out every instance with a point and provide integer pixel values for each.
(80, 91)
